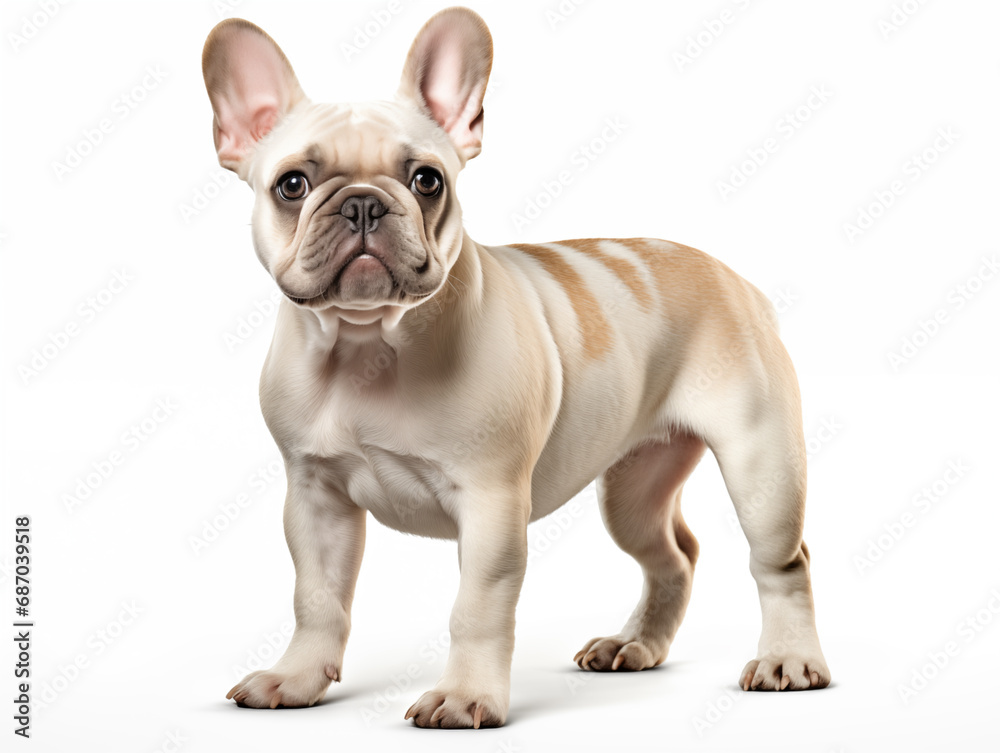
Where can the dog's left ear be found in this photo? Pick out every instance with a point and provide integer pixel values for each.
(446, 74)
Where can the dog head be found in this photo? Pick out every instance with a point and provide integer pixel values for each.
(355, 204)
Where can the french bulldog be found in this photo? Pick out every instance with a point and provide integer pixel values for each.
(462, 391)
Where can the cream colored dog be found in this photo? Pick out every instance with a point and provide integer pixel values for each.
(461, 391)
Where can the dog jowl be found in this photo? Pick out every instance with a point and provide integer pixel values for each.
(462, 391)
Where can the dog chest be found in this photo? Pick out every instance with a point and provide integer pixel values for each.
(373, 453)
(402, 491)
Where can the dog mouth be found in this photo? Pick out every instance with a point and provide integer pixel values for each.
(362, 271)
(363, 261)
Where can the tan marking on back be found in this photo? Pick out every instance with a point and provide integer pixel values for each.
(670, 266)
(686, 275)
(625, 271)
(594, 327)
(698, 283)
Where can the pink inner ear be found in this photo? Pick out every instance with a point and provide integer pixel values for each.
(451, 99)
(241, 128)
(249, 102)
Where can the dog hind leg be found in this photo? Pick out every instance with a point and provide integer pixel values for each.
(640, 504)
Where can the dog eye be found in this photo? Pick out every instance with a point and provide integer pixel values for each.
(293, 186)
(427, 182)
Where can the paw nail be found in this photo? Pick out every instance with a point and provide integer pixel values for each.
(785, 682)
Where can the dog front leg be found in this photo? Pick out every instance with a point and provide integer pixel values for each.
(474, 690)
(326, 537)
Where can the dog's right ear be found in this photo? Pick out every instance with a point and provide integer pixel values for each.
(251, 86)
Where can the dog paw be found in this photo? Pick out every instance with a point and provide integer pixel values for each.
(619, 652)
(271, 689)
(788, 672)
(458, 709)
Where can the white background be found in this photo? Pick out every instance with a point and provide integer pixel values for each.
(891, 429)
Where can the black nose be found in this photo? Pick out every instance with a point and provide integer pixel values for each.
(363, 213)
